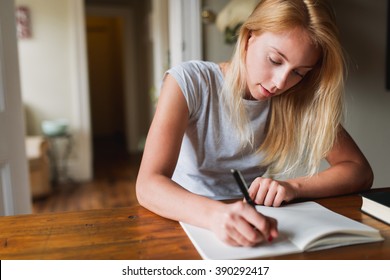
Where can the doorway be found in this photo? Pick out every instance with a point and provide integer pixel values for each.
(106, 81)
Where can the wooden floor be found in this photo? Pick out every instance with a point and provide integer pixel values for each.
(113, 184)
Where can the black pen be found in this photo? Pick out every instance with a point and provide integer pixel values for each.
(243, 186)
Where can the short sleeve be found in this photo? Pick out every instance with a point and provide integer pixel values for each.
(188, 75)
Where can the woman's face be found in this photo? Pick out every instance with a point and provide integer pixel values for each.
(275, 62)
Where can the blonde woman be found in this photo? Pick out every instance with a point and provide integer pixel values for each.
(275, 107)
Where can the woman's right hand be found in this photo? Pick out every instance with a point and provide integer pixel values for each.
(239, 224)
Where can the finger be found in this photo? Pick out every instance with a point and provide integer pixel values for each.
(231, 241)
(247, 225)
(280, 197)
(254, 188)
(273, 228)
(266, 226)
(261, 223)
(249, 235)
(271, 194)
(244, 235)
(225, 235)
(237, 230)
(263, 186)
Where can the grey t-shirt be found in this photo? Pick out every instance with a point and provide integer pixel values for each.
(210, 146)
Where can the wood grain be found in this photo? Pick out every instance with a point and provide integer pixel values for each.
(136, 233)
(120, 233)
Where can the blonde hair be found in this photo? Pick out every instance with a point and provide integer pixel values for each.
(303, 122)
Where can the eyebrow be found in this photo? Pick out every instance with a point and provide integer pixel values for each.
(285, 57)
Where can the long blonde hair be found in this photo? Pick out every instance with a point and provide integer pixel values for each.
(303, 122)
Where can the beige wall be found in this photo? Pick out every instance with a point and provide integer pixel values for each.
(45, 63)
(53, 72)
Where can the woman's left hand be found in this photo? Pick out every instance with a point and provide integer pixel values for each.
(268, 192)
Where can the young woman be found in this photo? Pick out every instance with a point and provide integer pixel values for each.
(274, 108)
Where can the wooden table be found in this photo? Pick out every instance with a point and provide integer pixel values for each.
(136, 233)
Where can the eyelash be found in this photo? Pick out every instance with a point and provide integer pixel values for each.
(278, 63)
(273, 61)
(299, 74)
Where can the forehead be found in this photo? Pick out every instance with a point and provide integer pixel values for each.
(295, 45)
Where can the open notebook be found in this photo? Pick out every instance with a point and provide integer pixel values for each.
(302, 227)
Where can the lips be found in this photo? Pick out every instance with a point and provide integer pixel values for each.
(265, 92)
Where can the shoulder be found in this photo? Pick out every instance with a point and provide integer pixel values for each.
(198, 81)
(197, 75)
(195, 67)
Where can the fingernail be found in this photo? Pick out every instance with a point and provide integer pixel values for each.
(270, 238)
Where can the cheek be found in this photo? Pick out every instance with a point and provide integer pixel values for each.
(256, 69)
(293, 82)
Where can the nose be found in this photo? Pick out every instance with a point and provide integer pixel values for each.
(280, 78)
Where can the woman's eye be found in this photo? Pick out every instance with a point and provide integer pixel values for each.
(298, 74)
(274, 61)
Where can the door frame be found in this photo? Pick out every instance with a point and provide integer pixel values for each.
(15, 194)
(185, 30)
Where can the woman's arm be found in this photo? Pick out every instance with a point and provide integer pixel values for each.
(155, 190)
(349, 172)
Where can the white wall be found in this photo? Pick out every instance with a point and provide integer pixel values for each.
(45, 62)
(53, 75)
(363, 30)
